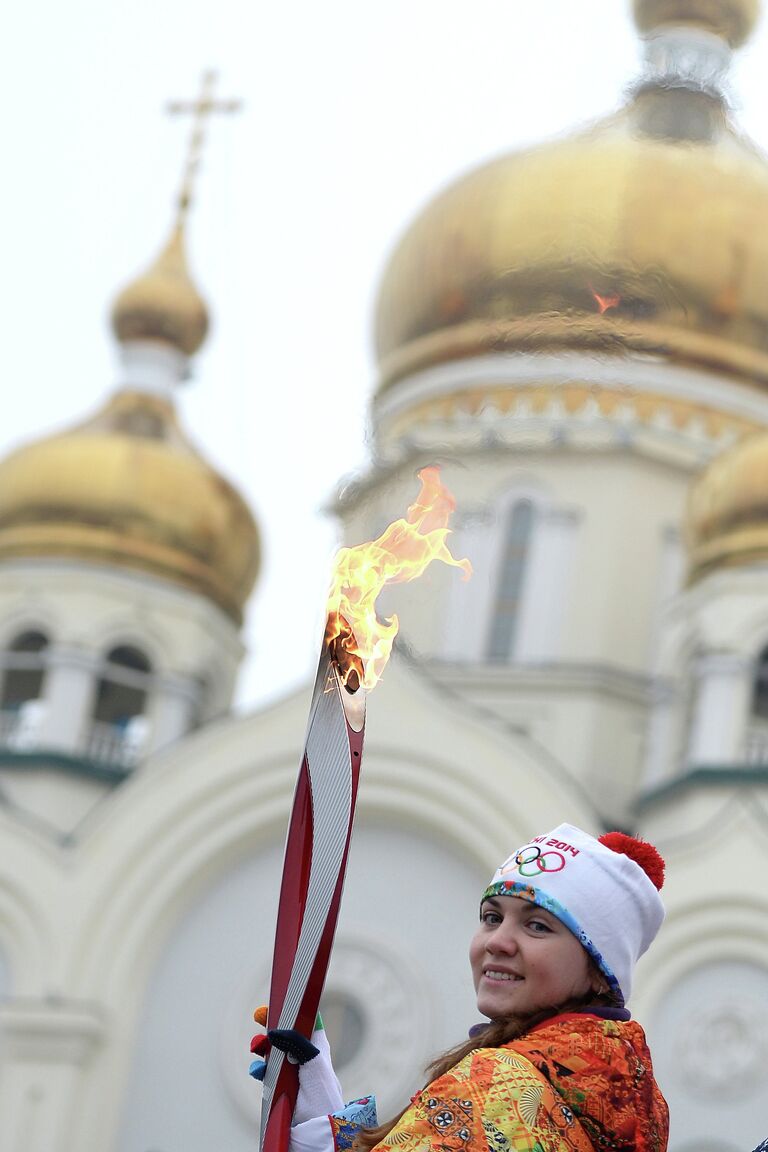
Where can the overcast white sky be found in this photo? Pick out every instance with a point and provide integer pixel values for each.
(355, 113)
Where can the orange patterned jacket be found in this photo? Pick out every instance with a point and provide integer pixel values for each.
(576, 1083)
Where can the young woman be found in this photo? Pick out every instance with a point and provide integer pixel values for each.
(560, 1066)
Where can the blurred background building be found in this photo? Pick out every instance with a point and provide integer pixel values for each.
(578, 333)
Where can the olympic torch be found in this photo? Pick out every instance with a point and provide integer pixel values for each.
(355, 649)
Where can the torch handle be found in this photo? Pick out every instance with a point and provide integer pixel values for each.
(316, 851)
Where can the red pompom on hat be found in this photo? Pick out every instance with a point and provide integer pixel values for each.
(650, 860)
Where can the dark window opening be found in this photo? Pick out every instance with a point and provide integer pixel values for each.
(24, 670)
(506, 612)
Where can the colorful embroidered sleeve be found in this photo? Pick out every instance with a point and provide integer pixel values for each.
(346, 1123)
(494, 1100)
(336, 1132)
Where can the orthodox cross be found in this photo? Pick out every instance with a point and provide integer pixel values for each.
(199, 109)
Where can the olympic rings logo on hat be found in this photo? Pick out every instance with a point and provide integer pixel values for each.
(531, 861)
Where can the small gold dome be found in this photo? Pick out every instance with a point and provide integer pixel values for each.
(163, 303)
(733, 20)
(645, 232)
(127, 489)
(727, 521)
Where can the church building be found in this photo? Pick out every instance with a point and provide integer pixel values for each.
(578, 334)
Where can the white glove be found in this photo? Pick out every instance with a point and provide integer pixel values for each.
(319, 1088)
(319, 1092)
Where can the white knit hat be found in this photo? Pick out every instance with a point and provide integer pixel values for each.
(605, 891)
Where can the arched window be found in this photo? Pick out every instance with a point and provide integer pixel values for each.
(756, 736)
(122, 690)
(118, 728)
(344, 1021)
(24, 663)
(506, 609)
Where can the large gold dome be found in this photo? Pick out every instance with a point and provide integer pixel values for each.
(126, 488)
(649, 231)
(727, 523)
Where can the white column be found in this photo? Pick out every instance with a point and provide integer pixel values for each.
(147, 366)
(721, 703)
(669, 581)
(70, 683)
(46, 1048)
(173, 703)
(661, 735)
(544, 596)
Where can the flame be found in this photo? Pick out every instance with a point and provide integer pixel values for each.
(359, 641)
(605, 302)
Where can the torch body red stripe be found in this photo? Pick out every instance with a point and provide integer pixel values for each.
(302, 853)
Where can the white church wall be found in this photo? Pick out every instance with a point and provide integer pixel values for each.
(55, 800)
(47, 1048)
(670, 579)
(591, 720)
(5, 975)
(545, 592)
(408, 901)
(628, 501)
(30, 889)
(712, 636)
(711, 1040)
(721, 691)
(703, 989)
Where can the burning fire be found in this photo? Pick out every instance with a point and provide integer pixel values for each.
(359, 641)
(605, 302)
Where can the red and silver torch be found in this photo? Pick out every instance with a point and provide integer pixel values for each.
(355, 649)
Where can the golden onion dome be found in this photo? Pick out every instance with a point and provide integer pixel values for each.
(127, 489)
(163, 303)
(733, 20)
(646, 231)
(727, 519)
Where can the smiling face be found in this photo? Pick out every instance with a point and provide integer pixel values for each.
(524, 959)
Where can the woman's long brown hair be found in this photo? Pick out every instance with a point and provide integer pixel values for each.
(495, 1035)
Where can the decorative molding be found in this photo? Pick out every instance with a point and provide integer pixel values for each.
(73, 656)
(74, 765)
(572, 408)
(531, 404)
(185, 688)
(52, 1030)
(565, 676)
(730, 664)
(626, 377)
(704, 776)
(723, 1048)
